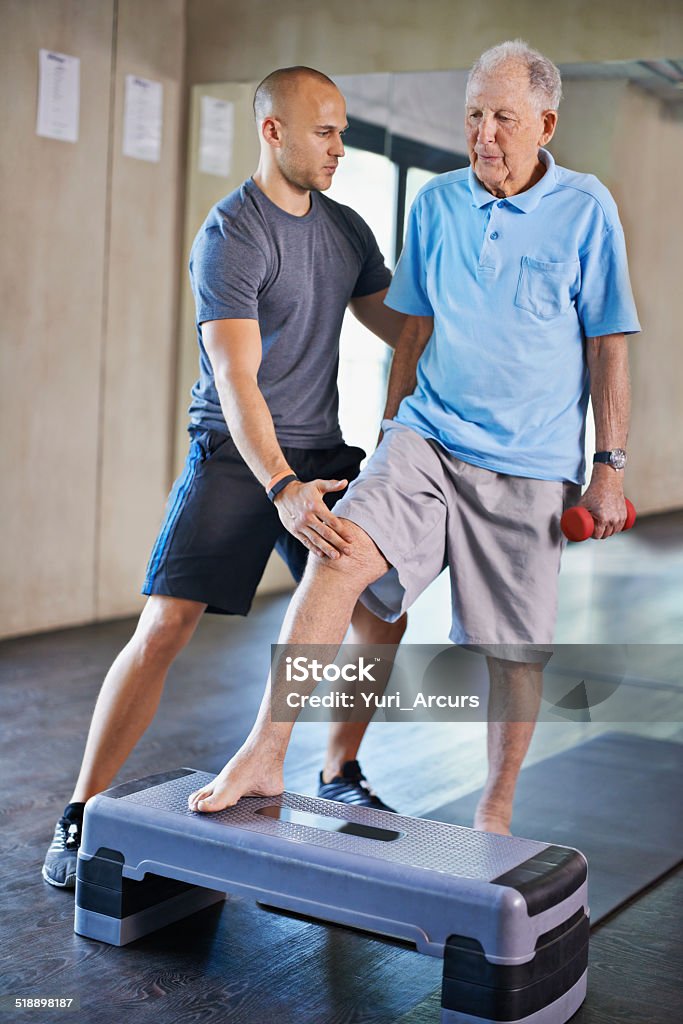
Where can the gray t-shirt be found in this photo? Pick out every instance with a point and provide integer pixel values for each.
(295, 275)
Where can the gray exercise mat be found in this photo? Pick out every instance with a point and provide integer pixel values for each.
(617, 798)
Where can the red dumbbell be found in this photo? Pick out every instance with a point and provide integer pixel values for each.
(578, 524)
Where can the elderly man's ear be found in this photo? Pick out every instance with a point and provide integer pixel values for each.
(549, 125)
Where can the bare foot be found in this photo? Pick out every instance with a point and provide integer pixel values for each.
(490, 818)
(246, 774)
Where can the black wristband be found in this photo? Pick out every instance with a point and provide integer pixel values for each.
(280, 486)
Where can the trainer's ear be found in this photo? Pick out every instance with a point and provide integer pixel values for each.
(271, 132)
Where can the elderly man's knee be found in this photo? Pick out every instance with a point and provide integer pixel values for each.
(355, 571)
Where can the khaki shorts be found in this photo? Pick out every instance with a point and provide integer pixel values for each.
(499, 535)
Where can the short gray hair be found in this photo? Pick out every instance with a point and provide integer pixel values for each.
(545, 82)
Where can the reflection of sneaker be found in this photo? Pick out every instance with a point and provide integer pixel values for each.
(351, 788)
(60, 862)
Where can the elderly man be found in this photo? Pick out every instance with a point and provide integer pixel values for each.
(515, 282)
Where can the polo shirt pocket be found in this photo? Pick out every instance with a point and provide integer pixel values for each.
(547, 289)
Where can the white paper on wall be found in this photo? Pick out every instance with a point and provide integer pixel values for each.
(59, 88)
(216, 135)
(142, 119)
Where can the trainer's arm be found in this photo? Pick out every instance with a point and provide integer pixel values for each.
(384, 322)
(234, 348)
(417, 330)
(607, 359)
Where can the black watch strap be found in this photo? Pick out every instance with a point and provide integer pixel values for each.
(280, 485)
(616, 458)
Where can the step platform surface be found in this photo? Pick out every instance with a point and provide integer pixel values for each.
(509, 916)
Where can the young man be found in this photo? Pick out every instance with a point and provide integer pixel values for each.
(273, 269)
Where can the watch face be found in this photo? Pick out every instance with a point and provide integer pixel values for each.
(618, 458)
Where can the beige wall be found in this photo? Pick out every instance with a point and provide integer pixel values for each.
(89, 281)
(140, 325)
(54, 194)
(241, 40)
(628, 139)
(648, 155)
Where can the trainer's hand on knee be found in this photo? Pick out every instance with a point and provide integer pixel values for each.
(303, 512)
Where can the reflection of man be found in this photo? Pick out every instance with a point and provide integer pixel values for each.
(273, 269)
(515, 283)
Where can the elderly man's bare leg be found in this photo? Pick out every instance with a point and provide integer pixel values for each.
(319, 613)
(514, 699)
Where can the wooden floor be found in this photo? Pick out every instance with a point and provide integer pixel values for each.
(243, 963)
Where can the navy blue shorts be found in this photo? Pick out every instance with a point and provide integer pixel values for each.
(219, 527)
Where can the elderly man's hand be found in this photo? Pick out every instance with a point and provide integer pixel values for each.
(604, 499)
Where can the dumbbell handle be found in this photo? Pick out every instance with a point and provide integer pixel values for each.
(578, 524)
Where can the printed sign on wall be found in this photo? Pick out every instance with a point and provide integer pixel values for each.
(216, 133)
(59, 87)
(142, 119)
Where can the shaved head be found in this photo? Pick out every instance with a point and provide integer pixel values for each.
(300, 118)
(275, 92)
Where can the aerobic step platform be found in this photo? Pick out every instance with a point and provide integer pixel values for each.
(509, 916)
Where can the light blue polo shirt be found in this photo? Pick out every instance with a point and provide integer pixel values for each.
(515, 286)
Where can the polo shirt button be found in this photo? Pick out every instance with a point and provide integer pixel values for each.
(493, 236)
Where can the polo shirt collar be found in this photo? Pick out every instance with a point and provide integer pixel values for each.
(523, 201)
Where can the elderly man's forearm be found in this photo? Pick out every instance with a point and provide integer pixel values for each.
(401, 382)
(403, 376)
(610, 390)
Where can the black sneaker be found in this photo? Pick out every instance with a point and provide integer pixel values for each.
(351, 787)
(60, 862)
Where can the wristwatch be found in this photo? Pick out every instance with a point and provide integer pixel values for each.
(616, 458)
